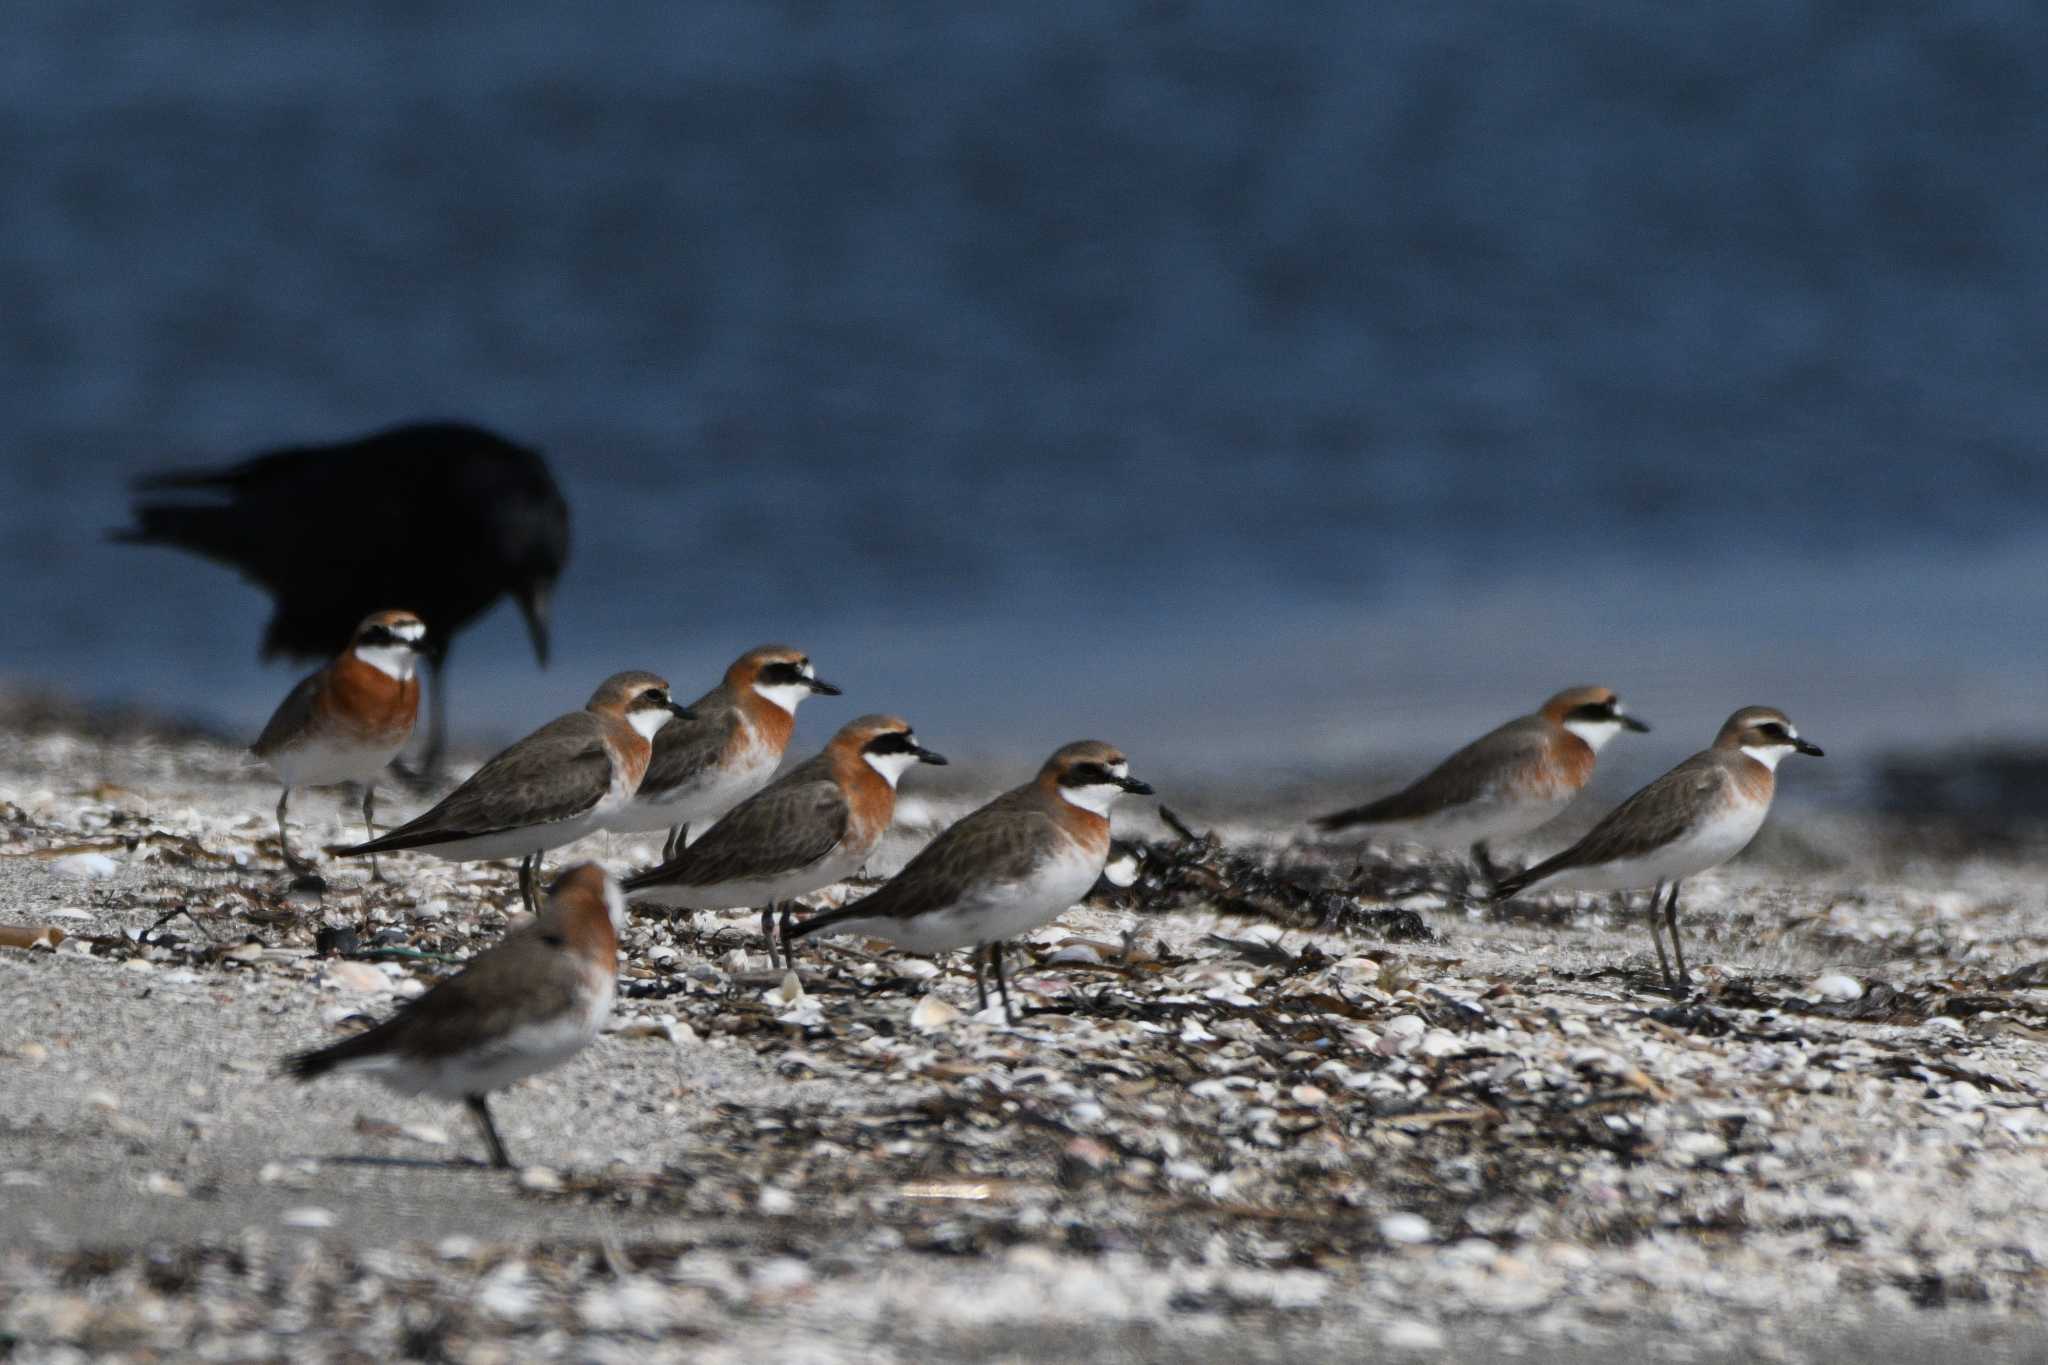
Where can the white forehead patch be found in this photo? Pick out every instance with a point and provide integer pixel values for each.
(1120, 768)
(784, 695)
(891, 766)
(393, 661)
(409, 630)
(807, 669)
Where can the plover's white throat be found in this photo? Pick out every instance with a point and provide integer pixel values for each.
(1005, 869)
(346, 722)
(703, 767)
(551, 788)
(1507, 783)
(528, 1003)
(1695, 817)
(813, 826)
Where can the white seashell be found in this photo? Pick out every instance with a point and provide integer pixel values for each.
(1836, 986)
(932, 1013)
(89, 867)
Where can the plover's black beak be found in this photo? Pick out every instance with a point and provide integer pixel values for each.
(536, 600)
(1641, 727)
(925, 755)
(823, 688)
(1807, 746)
(1134, 786)
(680, 711)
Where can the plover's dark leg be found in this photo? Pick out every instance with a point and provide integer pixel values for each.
(370, 823)
(1671, 923)
(980, 986)
(499, 1157)
(995, 953)
(768, 933)
(284, 838)
(782, 924)
(528, 867)
(677, 834)
(1489, 870)
(1663, 963)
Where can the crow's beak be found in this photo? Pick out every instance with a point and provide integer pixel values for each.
(536, 600)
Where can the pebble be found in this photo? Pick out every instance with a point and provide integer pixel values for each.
(1836, 986)
(355, 978)
(932, 1013)
(1406, 1229)
(88, 867)
(540, 1179)
(1411, 1334)
(308, 1217)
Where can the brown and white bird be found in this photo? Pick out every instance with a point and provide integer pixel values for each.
(811, 827)
(1504, 784)
(527, 1003)
(551, 788)
(348, 720)
(1695, 817)
(1009, 867)
(728, 750)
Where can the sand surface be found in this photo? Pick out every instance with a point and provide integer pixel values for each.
(1294, 1127)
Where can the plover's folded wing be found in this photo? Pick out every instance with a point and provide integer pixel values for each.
(783, 828)
(1661, 814)
(992, 847)
(1491, 768)
(556, 773)
(291, 716)
(686, 751)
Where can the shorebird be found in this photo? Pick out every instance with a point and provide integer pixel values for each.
(811, 827)
(551, 788)
(346, 722)
(442, 516)
(1697, 816)
(1504, 784)
(705, 766)
(527, 1003)
(1008, 867)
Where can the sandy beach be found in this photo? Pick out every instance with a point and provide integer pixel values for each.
(1251, 1113)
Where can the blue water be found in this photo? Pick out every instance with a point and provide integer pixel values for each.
(1265, 387)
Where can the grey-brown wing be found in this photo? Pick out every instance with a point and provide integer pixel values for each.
(787, 825)
(684, 750)
(556, 773)
(488, 997)
(1667, 809)
(1477, 773)
(290, 717)
(993, 845)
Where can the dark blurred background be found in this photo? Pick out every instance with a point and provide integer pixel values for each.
(1272, 389)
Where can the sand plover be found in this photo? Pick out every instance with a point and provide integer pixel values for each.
(551, 788)
(527, 1003)
(811, 827)
(1504, 784)
(442, 516)
(704, 767)
(1697, 816)
(1008, 867)
(346, 722)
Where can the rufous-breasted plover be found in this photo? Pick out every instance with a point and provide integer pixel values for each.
(442, 516)
(551, 788)
(1695, 817)
(348, 720)
(1502, 785)
(705, 766)
(525, 1004)
(1008, 867)
(813, 826)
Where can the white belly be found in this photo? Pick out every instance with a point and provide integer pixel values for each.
(1711, 844)
(525, 1051)
(324, 762)
(1460, 827)
(703, 799)
(988, 913)
(753, 893)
